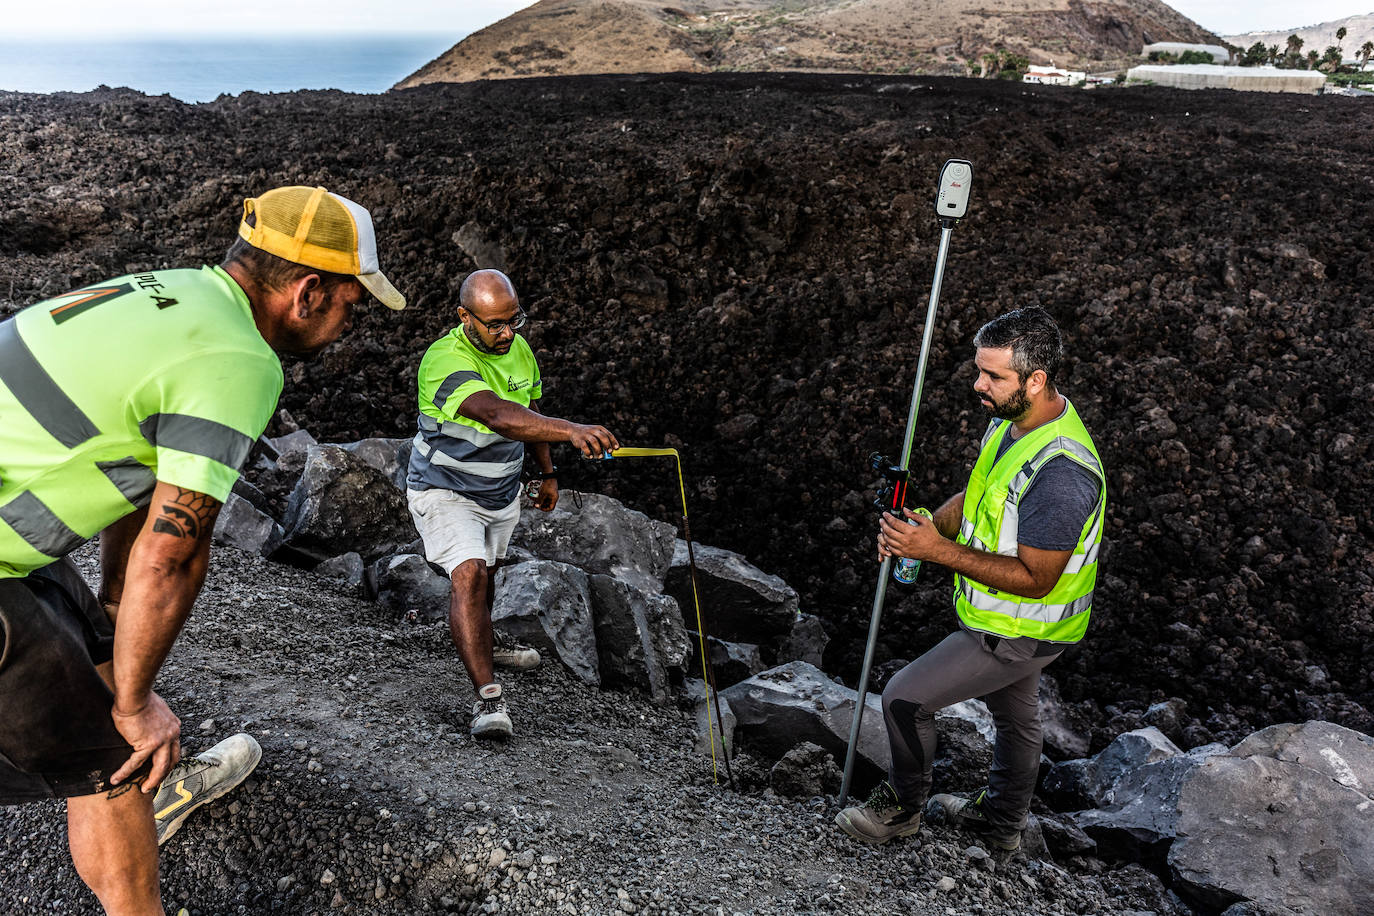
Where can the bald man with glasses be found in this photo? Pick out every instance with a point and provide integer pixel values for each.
(479, 391)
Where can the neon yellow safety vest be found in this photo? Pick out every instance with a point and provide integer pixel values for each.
(991, 503)
(108, 389)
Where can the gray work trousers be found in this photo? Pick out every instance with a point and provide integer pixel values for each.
(1006, 674)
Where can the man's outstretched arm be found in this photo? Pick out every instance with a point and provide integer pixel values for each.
(166, 566)
(525, 425)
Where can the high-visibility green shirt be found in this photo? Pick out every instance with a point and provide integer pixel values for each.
(454, 452)
(105, 390)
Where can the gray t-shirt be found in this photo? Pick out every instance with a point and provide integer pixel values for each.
(1057, 504)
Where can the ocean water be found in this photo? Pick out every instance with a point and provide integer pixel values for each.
(200, 69)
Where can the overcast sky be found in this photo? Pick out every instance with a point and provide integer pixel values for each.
(458, 17)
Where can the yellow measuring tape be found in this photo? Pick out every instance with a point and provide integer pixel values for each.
(707, 678)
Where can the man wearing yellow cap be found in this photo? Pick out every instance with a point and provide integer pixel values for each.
(126, 410)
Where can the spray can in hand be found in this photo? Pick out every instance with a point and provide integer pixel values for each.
(904, 570)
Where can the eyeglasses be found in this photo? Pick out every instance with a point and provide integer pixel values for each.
(499, 327)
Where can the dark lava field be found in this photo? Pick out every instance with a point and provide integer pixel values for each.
(739, 265)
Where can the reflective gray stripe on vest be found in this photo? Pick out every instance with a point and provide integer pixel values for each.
(1009, 531)
(991, 431)
(498, 470)
(1024, 610)
(977, 544)
(460, 431)
(36, 391)
(33, 521)
(451, 384)
(461, 449)
(1078, 562)
(197, 436)
(134, 479)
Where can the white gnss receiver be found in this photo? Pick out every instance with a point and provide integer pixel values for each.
(955, 178)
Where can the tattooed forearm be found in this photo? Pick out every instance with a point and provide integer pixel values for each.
(190, 515)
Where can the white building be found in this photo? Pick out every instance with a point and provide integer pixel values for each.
(1219, 54)
(1211, 76)
(1053, 76)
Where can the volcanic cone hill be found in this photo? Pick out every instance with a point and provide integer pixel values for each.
(560, 37)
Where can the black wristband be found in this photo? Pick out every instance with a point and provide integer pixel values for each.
(546, 475)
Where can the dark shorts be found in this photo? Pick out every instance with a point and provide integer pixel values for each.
(57, 739)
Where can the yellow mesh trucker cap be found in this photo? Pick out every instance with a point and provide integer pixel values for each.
(313, 227)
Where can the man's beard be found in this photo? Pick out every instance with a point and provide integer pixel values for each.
(482, 346)
(1016, 406)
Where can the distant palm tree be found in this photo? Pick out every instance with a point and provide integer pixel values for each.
(1273, 54)
(1313, 58)
(1366, 52)
(1340, 34)
(1292, 53)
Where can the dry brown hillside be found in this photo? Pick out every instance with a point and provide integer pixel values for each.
(559, 37)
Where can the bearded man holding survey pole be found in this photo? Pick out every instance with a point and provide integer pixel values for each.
(1022, 539)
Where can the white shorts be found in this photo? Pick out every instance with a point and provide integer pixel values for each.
(455, 529)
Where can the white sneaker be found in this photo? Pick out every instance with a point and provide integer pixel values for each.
(507, 653)
(490, 718)
(203, 778)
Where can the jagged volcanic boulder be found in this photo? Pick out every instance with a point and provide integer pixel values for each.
(548, 605)
(805, 642)
(1140, 814)
(405, 582)
(599, 536)
(348, 568)
(240, 524)
(741, 603)
(1087, 782)
(1285, 819)
(390, 456)
(806, 771)
(708, 727)
(342, 504)
(781, 707)
(639, 636)
(732, 662)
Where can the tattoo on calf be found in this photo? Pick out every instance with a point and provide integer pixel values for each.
(188, 516)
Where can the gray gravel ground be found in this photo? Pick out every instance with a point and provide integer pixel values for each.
(372, 798)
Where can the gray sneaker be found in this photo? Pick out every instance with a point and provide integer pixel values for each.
(507, 653)
(972, 815)
(490, 717)
(879, 819)
(203, 778)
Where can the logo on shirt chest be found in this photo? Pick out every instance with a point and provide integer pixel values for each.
(513, 384)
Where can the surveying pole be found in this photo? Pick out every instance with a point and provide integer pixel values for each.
(951, 203)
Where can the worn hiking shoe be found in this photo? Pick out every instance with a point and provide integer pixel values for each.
(203, 778)
(490, 718)
(879, 819)
(507, 653)
(972, 815)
